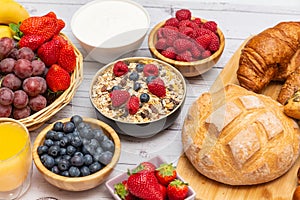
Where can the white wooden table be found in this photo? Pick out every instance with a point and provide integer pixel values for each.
(237, 19)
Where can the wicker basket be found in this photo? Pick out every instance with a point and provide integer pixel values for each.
(37, 119)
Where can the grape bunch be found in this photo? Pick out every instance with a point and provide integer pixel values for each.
(23, 86)
(75, 149)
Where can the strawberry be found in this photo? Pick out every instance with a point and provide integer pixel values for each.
(165, 173)
(150, 70)
(49, 52)
(120, 68)
(61, 41)
(185, 56)
(214, 44)
(119, 97)
(31, 41)
(169, 53)
(144, 167)
(57, 78)
(177, 190)
(183, 14)
(161, 44)
(67, 58)
(205, 54)
(60, 25)
(133, 105)
(204, 40)
(145, 186)
(163, 190)
(182, 45)
(157, 87)
(211, 25)
(51, 14)
(172, 22)
(121, 189)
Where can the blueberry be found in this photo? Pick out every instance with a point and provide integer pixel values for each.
(76, 141)
(50, 134)
(66, 156)
(77, 161)
(98, 134)
(71, 150)
(63, 151)
(144, 98)
(88, 159)
(48, 142)
(85, 171)
(58, 126)
(105, 157)
(116, 87)
(134, 76)
(58, 136)
(84, 150)
(57, 159)
(64, 141)
(86, 133)
(150, 78)
(54, 151)
(75, 132)
(94, 167)
(65, 173)
(68, 127)
(78, 153)
(42, 149)
(108, 145)
(137, 86)
(55, 169)
(74, 171)
(139, 67)
(81, 125)
(63, 164)
(48, 161)
(76, 119)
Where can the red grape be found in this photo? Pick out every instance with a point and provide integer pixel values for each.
(6, 96)
(25, 53)
(21, 113)
(7, 65)
(37, 103)
(5, 111)
(23, 68)
(34, 86)
(13, 54)
(20, 99)
(38, 67)
(6, 45)
(11, 81)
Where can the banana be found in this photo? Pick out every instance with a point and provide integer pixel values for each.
(5, 31)
(12, 12)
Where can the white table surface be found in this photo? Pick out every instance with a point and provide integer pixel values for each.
(238, 20)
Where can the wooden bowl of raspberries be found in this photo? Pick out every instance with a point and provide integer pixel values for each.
(191, 44)
(76, 153)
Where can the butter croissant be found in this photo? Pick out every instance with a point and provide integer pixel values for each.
(269, 56)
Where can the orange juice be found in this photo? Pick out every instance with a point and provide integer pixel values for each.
(15, 155)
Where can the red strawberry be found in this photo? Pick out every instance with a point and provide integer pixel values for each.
(31, 41)
(183, 14)
(205, 54)
(204, 40)
(119, 97)
(214, 44)
(37, 25)
(163, 190)
(150, 70)
(161, 44)
(157, 87)
(211, 25)
(144, 167)
(182, 45)
(177, 190)
(61, 41)
(120, 68)
(172, 22)
(60, 25)
(185, 56)
(49, 52)
(67, 58)
(51, 14)
(145, 186)
(57, 78)
(169, 53)
(165, 173)
(121, 189)
(133, 105)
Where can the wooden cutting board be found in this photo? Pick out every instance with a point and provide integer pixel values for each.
(207, 189)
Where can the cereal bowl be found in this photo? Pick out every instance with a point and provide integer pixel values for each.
(120, 27)
(187, 68)
(83, 182)
(153, 114)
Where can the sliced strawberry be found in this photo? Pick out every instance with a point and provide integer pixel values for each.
(119, 97)
(120, 68)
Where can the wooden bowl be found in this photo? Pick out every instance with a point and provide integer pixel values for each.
(78, 183)
(188, 69)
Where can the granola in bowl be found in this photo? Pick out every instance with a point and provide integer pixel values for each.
(137, 90)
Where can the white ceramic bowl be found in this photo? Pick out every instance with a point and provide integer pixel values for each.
(108, 29)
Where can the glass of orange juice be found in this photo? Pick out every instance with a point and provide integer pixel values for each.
(15, 159)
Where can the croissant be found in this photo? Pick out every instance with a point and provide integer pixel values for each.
(272, 55)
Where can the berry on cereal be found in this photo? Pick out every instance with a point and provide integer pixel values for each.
(157, 87)
(150, 70)
(120, 68)
(133, 105)
(119, 97)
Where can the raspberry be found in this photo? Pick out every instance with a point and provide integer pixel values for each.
(183, 14)
(185, 56)
(211, 25)
(182, 45)
(197, 21)
(133, 105)
(172, 28)
(214, 44)
(205, 54)
(150, 70)
(171, 39)
(167, 32)
(186, 22)
(120, 68)
(161, 44)
(204, 40)
(172, 22)
(119, 97)
(196, 53)
(203, 31)
(157, 87)
(169, 53)
(186, 30)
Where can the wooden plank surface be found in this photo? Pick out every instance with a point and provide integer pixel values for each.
(207, 189)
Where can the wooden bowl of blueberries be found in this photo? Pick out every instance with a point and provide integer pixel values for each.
(76, 153)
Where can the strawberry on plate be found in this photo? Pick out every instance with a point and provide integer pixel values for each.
(177, 190)
(144, 167)
(57, 78)
(121, 189)
(165, 173)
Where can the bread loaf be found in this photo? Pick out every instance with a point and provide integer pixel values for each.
(270, 55)
(238, 137)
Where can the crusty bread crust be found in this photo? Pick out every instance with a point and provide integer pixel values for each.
(238, 137)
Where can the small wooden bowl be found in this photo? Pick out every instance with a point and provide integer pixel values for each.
(78, 183)
(188, 69)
